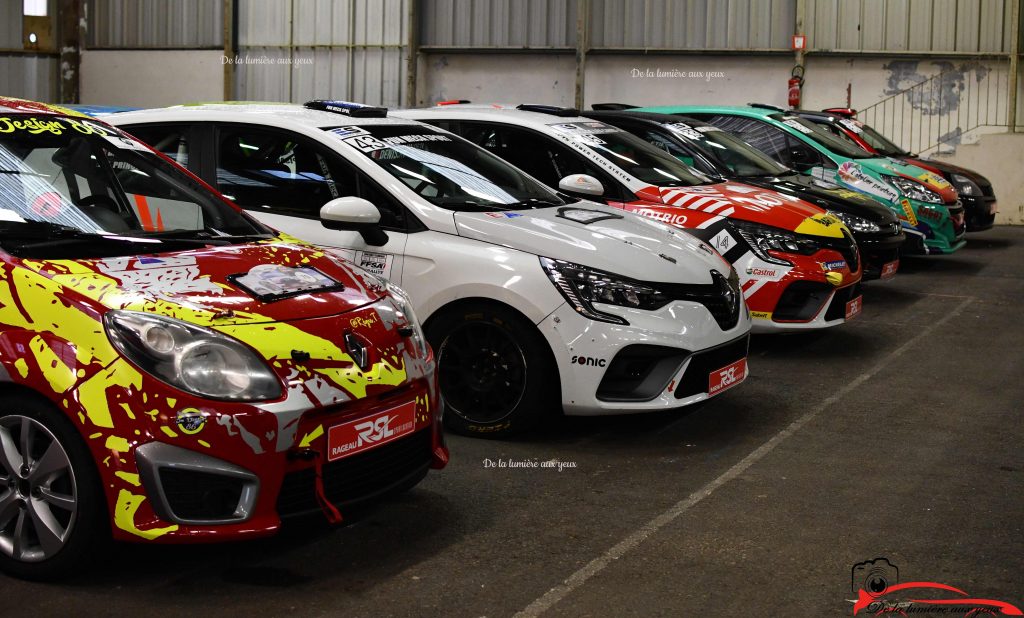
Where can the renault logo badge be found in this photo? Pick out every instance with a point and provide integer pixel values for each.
(357, 351)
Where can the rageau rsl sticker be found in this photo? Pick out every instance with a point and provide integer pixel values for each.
(273, 281)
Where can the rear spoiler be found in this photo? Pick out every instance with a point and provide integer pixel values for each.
(611, 107)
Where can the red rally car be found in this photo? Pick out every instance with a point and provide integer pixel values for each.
(188, 382)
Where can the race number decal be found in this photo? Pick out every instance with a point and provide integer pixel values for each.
(723, 241)
(365, 143)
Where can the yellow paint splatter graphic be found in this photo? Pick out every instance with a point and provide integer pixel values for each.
(124, 516)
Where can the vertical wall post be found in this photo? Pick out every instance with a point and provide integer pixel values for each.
(582, 44)
(412, 57)
(1011, 108)
(71, 27)
(801, 10)
(229, 49)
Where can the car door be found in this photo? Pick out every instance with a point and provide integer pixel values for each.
(544, 157)
(283, 178)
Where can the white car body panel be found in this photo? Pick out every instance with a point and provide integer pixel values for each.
(474, 255)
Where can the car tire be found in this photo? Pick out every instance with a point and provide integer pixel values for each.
(496, 371)
(43, 534)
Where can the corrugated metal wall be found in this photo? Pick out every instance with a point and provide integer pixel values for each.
(614, 24)
(340, 49)
(692, 24)
(155, 24)
(967, 26)
(24, 75)
(498, 23)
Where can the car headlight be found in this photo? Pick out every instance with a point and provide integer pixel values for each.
(965, 186)
(583, 286)
(913, 189)
(855, 223)
(194, 359)
(404, 304)
(763, 238)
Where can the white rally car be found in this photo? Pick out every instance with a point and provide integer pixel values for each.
(526, 295)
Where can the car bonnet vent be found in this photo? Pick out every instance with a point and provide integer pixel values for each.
(553, 110)
(356, 110)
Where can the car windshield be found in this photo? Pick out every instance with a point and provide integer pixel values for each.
(875, 139)
(73, 189)
(446, 170)
(632, 154)
(729, 151)
(822, 137)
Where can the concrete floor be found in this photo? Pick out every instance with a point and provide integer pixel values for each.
(897, 435)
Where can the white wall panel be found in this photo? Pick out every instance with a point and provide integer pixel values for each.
(146, 24)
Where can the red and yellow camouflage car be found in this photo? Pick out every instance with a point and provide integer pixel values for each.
(172, 367)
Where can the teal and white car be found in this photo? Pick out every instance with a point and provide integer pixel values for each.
(927, 205)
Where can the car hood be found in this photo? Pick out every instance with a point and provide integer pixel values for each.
(601, 237)
(278, 280)
(748, 203)
(945, 169)
(898, 167)
(830, 196)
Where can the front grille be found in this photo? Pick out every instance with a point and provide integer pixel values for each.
(639, 372)
(801, 301)
(695, 380)
(956, 215)
(200, 495)
(837, 310)
(360, 477)
(720, 298)
(846, 246)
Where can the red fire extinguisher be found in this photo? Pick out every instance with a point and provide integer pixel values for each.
(796, 82)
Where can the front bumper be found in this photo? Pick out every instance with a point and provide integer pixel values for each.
(980, 211)
(879, 253)
(192, 496)
(668, 347)
(798, 297)
(939, 229)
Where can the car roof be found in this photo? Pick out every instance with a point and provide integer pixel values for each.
(275, 114)
(496, 111)
(646, 116)
(735, 110)
(15, 105)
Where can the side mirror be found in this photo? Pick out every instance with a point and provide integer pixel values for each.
(354, 214)
(581, 183)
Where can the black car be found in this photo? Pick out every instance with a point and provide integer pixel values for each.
(723, 155)
(976, 193)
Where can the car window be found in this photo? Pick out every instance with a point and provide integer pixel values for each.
(274, 171)
(669, 145)
(447, 171)
(544, 158)
(95, 181)
(768, 139)
(172, 140)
